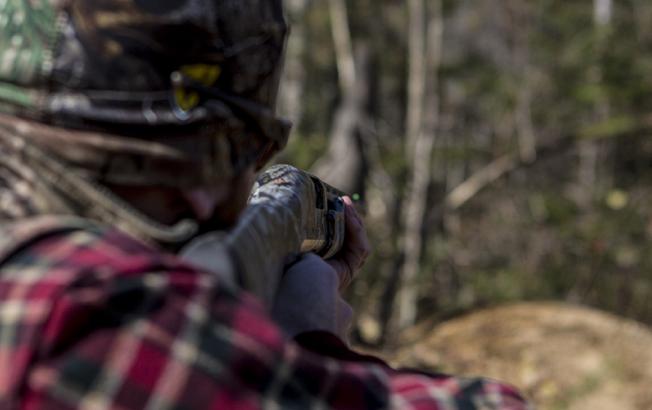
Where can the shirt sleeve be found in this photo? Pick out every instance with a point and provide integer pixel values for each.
(129, 328)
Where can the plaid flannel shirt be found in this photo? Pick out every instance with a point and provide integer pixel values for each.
(93, 319)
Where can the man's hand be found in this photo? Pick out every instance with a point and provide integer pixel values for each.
(308, 299)
(356, 247)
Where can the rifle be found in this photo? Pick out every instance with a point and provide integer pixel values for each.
(290, 212)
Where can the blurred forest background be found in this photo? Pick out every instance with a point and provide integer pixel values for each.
(501, 151)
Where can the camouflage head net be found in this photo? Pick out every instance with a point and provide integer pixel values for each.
(142, 85)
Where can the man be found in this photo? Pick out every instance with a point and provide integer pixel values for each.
(128, 128)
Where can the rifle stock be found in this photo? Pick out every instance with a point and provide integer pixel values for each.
(290, 212)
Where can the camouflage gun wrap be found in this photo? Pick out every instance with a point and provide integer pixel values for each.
(290, 212)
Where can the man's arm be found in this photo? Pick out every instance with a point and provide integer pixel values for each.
(128, 327)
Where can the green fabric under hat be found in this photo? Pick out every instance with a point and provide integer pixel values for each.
(28, 38)
(28, 32)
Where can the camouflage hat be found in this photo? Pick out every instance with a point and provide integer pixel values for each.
(153, 70)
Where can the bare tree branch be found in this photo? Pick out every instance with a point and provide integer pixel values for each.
(505, 164)
(343, 48)
(481, 179)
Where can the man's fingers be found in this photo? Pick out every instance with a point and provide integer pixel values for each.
(344, 319)
(344, 272)
(351, 212)
(359, 243)
(356, 246)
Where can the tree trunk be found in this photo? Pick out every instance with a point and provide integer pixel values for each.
(602, 12)
(423, 117)
(590, 151)
(416, 71)
(526, 134)
(344, 165)
(293, 80)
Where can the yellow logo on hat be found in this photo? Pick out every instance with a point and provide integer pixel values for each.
(204, 74)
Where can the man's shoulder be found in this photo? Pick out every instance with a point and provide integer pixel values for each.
(70, 291)
(17, 234)
(49, 257)
(48, 246)
(54, 273)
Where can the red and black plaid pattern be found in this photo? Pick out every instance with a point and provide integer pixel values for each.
(92, 319)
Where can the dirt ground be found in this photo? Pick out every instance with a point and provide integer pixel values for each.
(562, 357)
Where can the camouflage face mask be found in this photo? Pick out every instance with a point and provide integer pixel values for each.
(196, 79)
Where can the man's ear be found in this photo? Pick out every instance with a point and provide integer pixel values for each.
(230, 198)
(204, 201)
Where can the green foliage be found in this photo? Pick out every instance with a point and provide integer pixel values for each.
(609, 127)
(304, 151)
